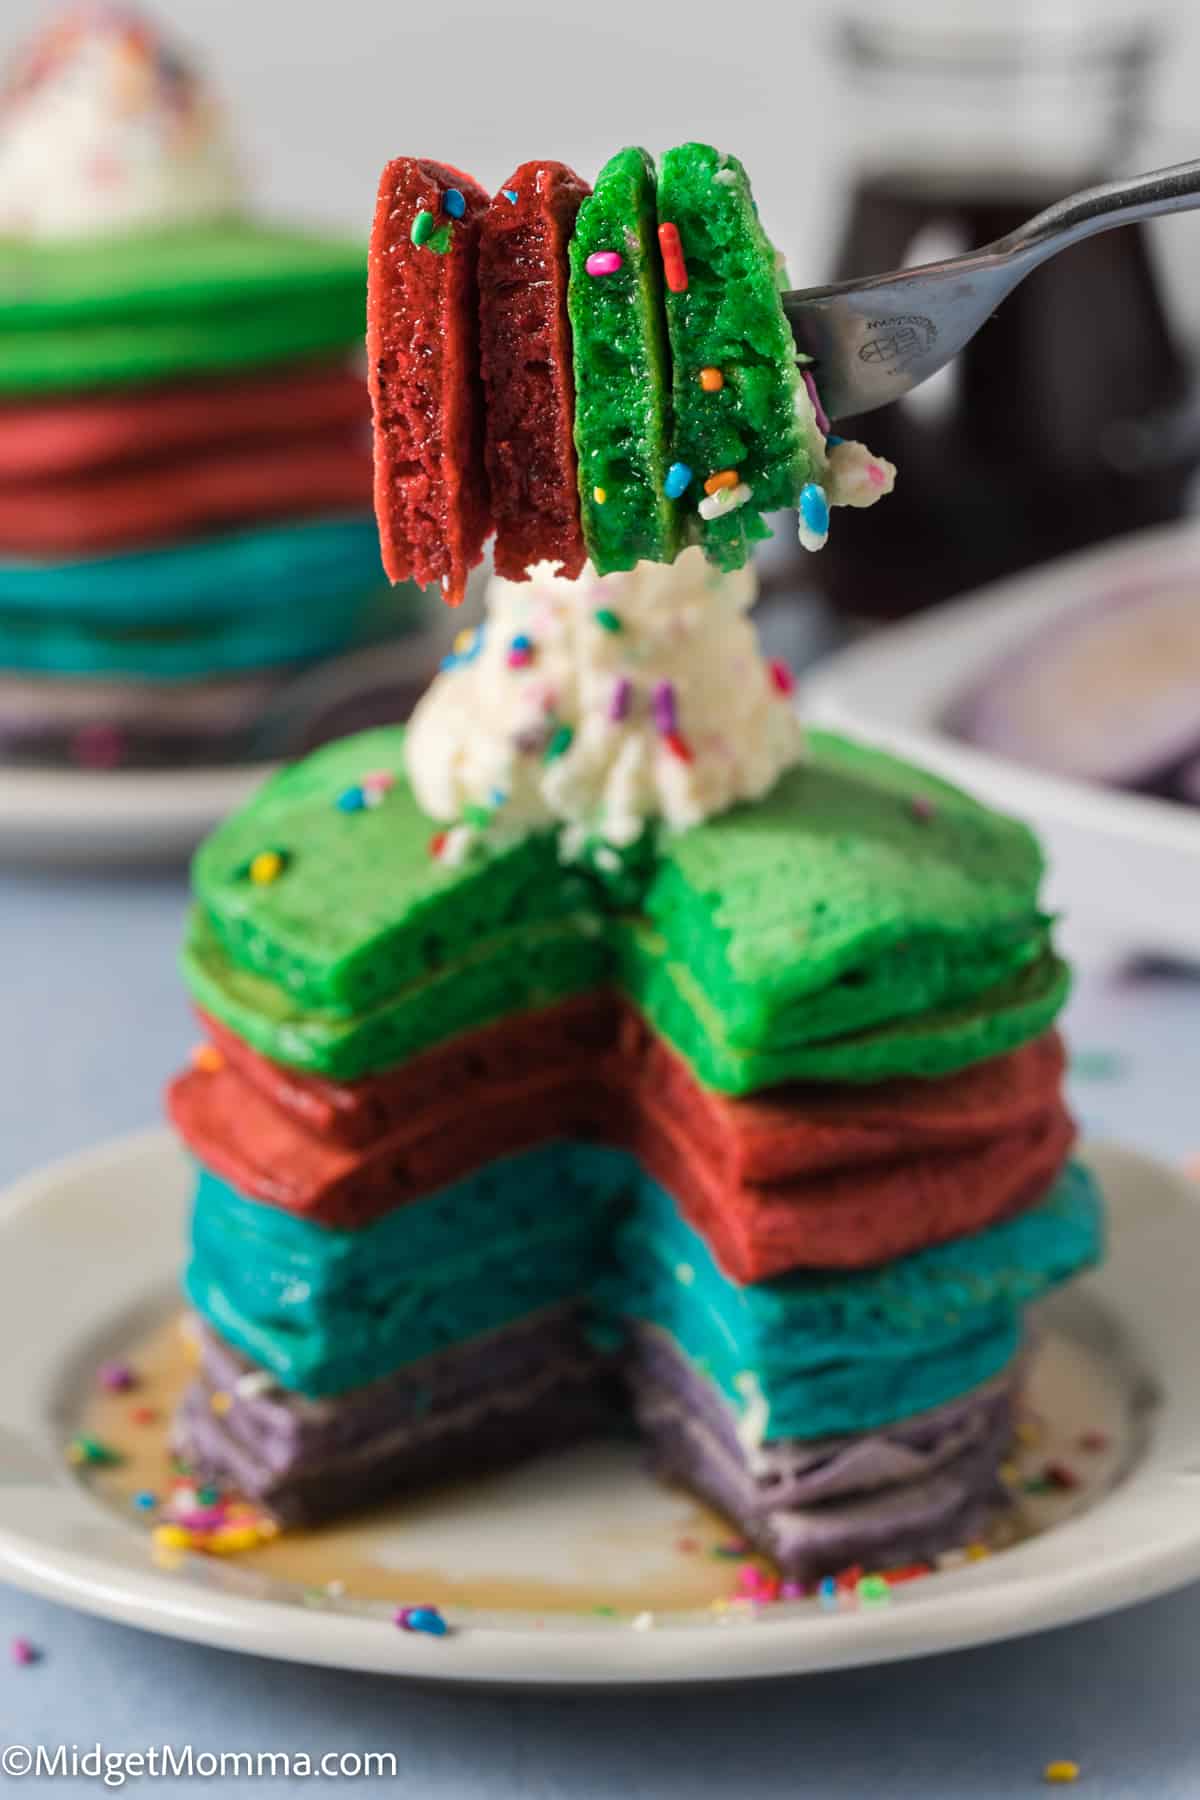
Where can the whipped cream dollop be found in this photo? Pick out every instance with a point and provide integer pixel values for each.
(602, 704)
(105, 128)
(842, 472)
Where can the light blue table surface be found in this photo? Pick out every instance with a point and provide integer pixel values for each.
(93, 1021)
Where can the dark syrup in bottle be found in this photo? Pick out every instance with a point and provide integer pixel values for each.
(1024, 459)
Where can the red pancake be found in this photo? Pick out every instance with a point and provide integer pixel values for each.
(84, 433)
(149, 503)
(431, 492)
(525, 353)
(855, 1179)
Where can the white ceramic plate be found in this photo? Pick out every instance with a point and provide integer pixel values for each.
(1125, 869)
(76, 815)
(89, 1251)
(131, 815)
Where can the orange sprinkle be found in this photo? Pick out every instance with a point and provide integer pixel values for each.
(207, 1058)
(711, 380)
(724, 478)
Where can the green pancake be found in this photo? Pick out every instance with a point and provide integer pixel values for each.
(621, 373)
(863, 921)
(152, 305)
(729, 318)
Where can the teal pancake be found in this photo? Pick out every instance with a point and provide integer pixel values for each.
(811, 1355)
(271, 638)
(864, 920)
(269, 566)
(326, 1310)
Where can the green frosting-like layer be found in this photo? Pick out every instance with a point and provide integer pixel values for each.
(154, 305)
(863, 921)
(621, 373)
(729, 317)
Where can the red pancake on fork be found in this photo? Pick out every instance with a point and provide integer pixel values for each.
(525, 350)
(431, 490)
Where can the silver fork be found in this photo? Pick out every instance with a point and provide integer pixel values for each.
(872, 340)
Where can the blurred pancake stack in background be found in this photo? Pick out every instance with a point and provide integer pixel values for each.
(186, 534)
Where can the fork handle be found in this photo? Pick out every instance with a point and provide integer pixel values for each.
(1176, 189)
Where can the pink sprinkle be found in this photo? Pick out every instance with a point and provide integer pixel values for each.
(792, 1590)
(662, 705)
(98, 747)
(622, 696)
(117, 1377)
(604, 262)
(380, 779)
(782, 679)
(822, 416)
(519, 659)
(875, 475)
(23, 1652)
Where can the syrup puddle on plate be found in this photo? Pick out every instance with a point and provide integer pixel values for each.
(584, 1531)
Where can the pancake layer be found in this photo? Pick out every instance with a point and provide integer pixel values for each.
(431, 492)
(160, 502)
(525, 355)
(808, 1355)
(79, 434)
(863, 921)
(790, 1177)
(622, 417)
(158, 305)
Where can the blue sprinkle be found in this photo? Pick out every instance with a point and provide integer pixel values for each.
(454, 203)
(814, 508)
(510, 194)
(833, 440)
(679, 479)
(145, 1502)
(521, 642)
(351, 799)
(422, 1618)
(498, 797)
(827, 1591)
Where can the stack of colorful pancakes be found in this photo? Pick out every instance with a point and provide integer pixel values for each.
(757, 1123)
(185, 475)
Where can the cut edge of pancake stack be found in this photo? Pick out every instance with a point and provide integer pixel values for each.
(605, 375)
(471, 1149)
(185, 473)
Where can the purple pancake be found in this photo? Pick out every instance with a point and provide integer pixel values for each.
(904, 1494)
(533, 1386)
(921, 1486)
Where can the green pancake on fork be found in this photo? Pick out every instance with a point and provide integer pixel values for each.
(622, 371)
(735, 376)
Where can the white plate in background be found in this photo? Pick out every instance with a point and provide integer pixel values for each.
(1124, 869)
(70, 816)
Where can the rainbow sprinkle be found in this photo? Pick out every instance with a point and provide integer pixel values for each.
(425, 1619)
(622, 699)
(664, 708)
(674, 264)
